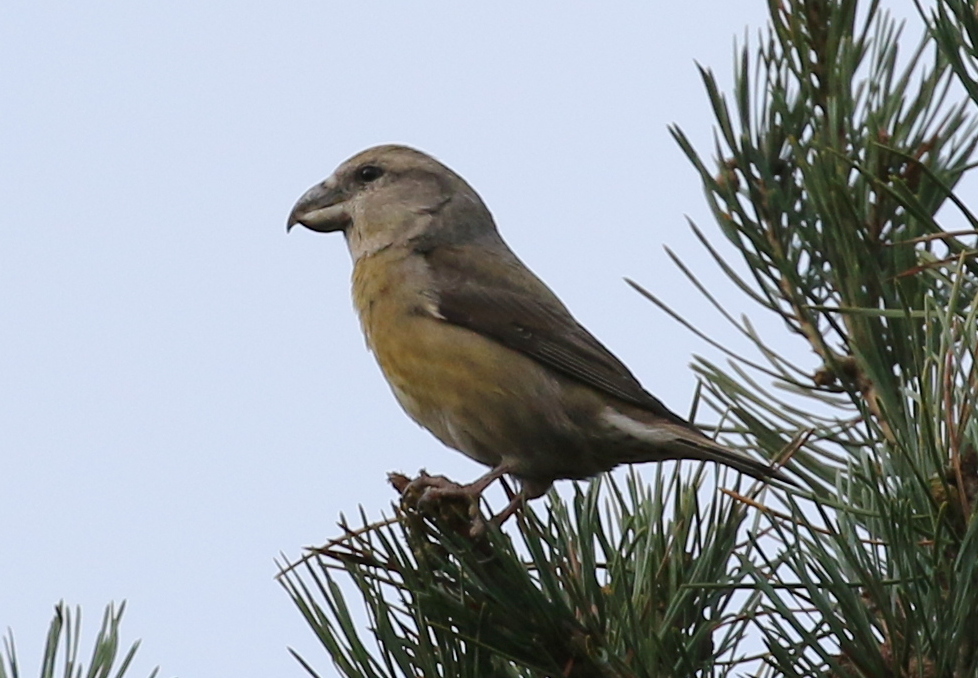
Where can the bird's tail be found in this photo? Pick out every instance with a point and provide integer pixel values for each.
(648, 441)
(701, 447)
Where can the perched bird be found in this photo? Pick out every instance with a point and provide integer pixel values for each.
(476, 348)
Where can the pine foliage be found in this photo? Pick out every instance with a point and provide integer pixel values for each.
(61, 651)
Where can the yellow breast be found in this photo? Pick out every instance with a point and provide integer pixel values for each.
(463, 387)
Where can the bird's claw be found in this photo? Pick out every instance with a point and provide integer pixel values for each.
(432, 493)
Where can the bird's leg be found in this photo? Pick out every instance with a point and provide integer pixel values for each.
(516, 502)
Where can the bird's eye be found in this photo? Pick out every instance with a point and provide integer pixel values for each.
(369, 173)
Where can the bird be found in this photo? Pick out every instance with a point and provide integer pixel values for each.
(475, 347)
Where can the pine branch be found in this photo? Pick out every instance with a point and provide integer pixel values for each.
(643, 586)
(830, 173)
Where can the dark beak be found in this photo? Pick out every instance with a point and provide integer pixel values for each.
(321, 208)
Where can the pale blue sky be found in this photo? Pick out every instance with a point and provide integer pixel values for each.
(185, 389)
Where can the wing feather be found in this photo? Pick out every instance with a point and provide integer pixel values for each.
(493, 293)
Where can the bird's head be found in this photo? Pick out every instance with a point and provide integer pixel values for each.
(393, 195)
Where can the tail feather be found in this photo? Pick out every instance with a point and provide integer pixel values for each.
(666, 440)
(708, 450)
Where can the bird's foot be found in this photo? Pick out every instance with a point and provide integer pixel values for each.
(426, 486)
(438, 495)
(435, 493)
(437, 486)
